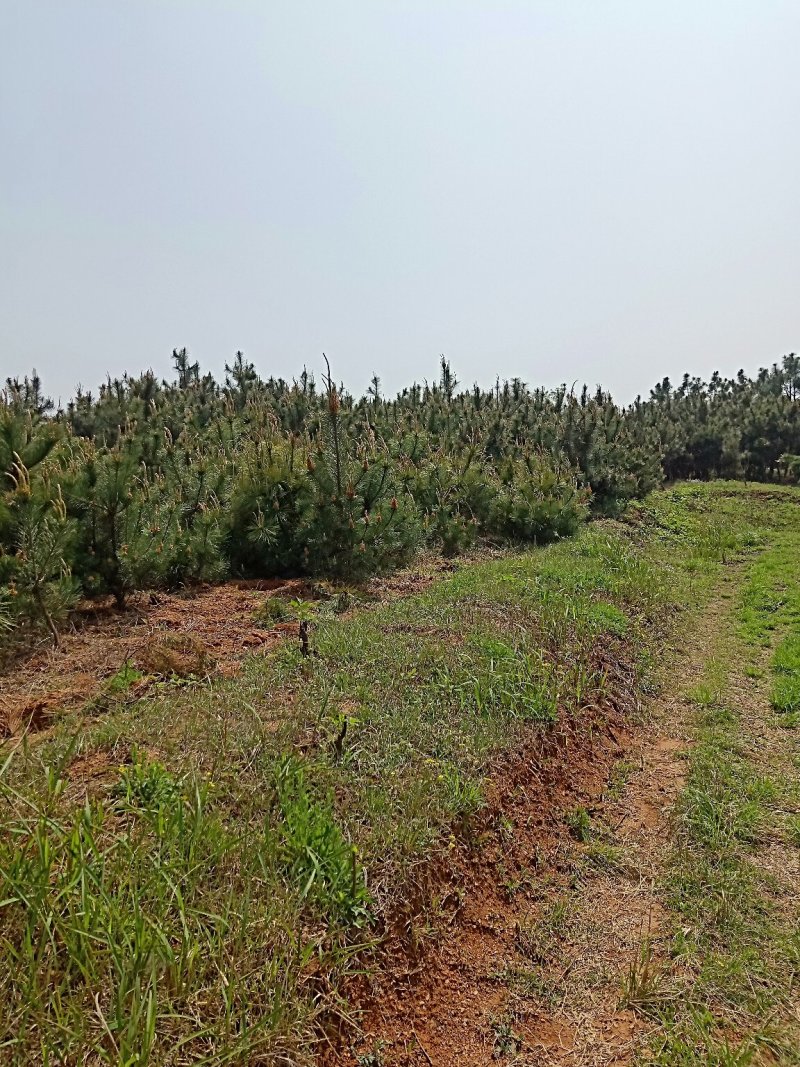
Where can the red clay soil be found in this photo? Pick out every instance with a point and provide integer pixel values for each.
(518, 946)
(457, 993)
(203, 632)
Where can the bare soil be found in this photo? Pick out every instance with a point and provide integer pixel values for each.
(206, 631)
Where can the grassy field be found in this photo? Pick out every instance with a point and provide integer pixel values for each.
(191, 877)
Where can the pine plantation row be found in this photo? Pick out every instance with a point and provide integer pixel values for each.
(153, 484)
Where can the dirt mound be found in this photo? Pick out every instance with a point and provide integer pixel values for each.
(175, 656)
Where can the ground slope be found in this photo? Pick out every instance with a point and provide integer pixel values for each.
(461, 830)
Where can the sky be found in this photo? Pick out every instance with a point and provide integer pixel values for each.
(562, 191)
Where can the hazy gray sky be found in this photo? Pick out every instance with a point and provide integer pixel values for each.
(607, 191)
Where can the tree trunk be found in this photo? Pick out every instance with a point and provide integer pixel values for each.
(51, 626)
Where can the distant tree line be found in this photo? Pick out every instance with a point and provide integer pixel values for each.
(158, 484)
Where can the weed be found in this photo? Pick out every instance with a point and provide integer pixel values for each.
(642, 988)
(752, 671)
(604, 857)
(274, 609)
(708, 692)
(125, 677)
(314, 852)
(703, 694)
(618, 779)
(507, 1042)
(785, 695)
(787, 655)
(607, 618)
(145, 784)
(539, 938)
(373, 1058)
(524, 882)
(530, 982)
(505, 828)
(579, 822)
(463, 796)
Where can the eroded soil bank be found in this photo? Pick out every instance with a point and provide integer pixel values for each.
(635, 898)
(545, 908)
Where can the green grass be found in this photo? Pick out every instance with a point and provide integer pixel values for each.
(314, 853)
(734, 940)
(785, 695)
(117, 917)
(727, 997)
(772, 606)
(206, 902)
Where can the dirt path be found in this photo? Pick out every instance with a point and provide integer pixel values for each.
(527, 961)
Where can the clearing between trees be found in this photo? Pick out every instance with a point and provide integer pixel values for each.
(538, 808)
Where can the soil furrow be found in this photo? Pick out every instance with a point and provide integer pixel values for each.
(530, 967)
